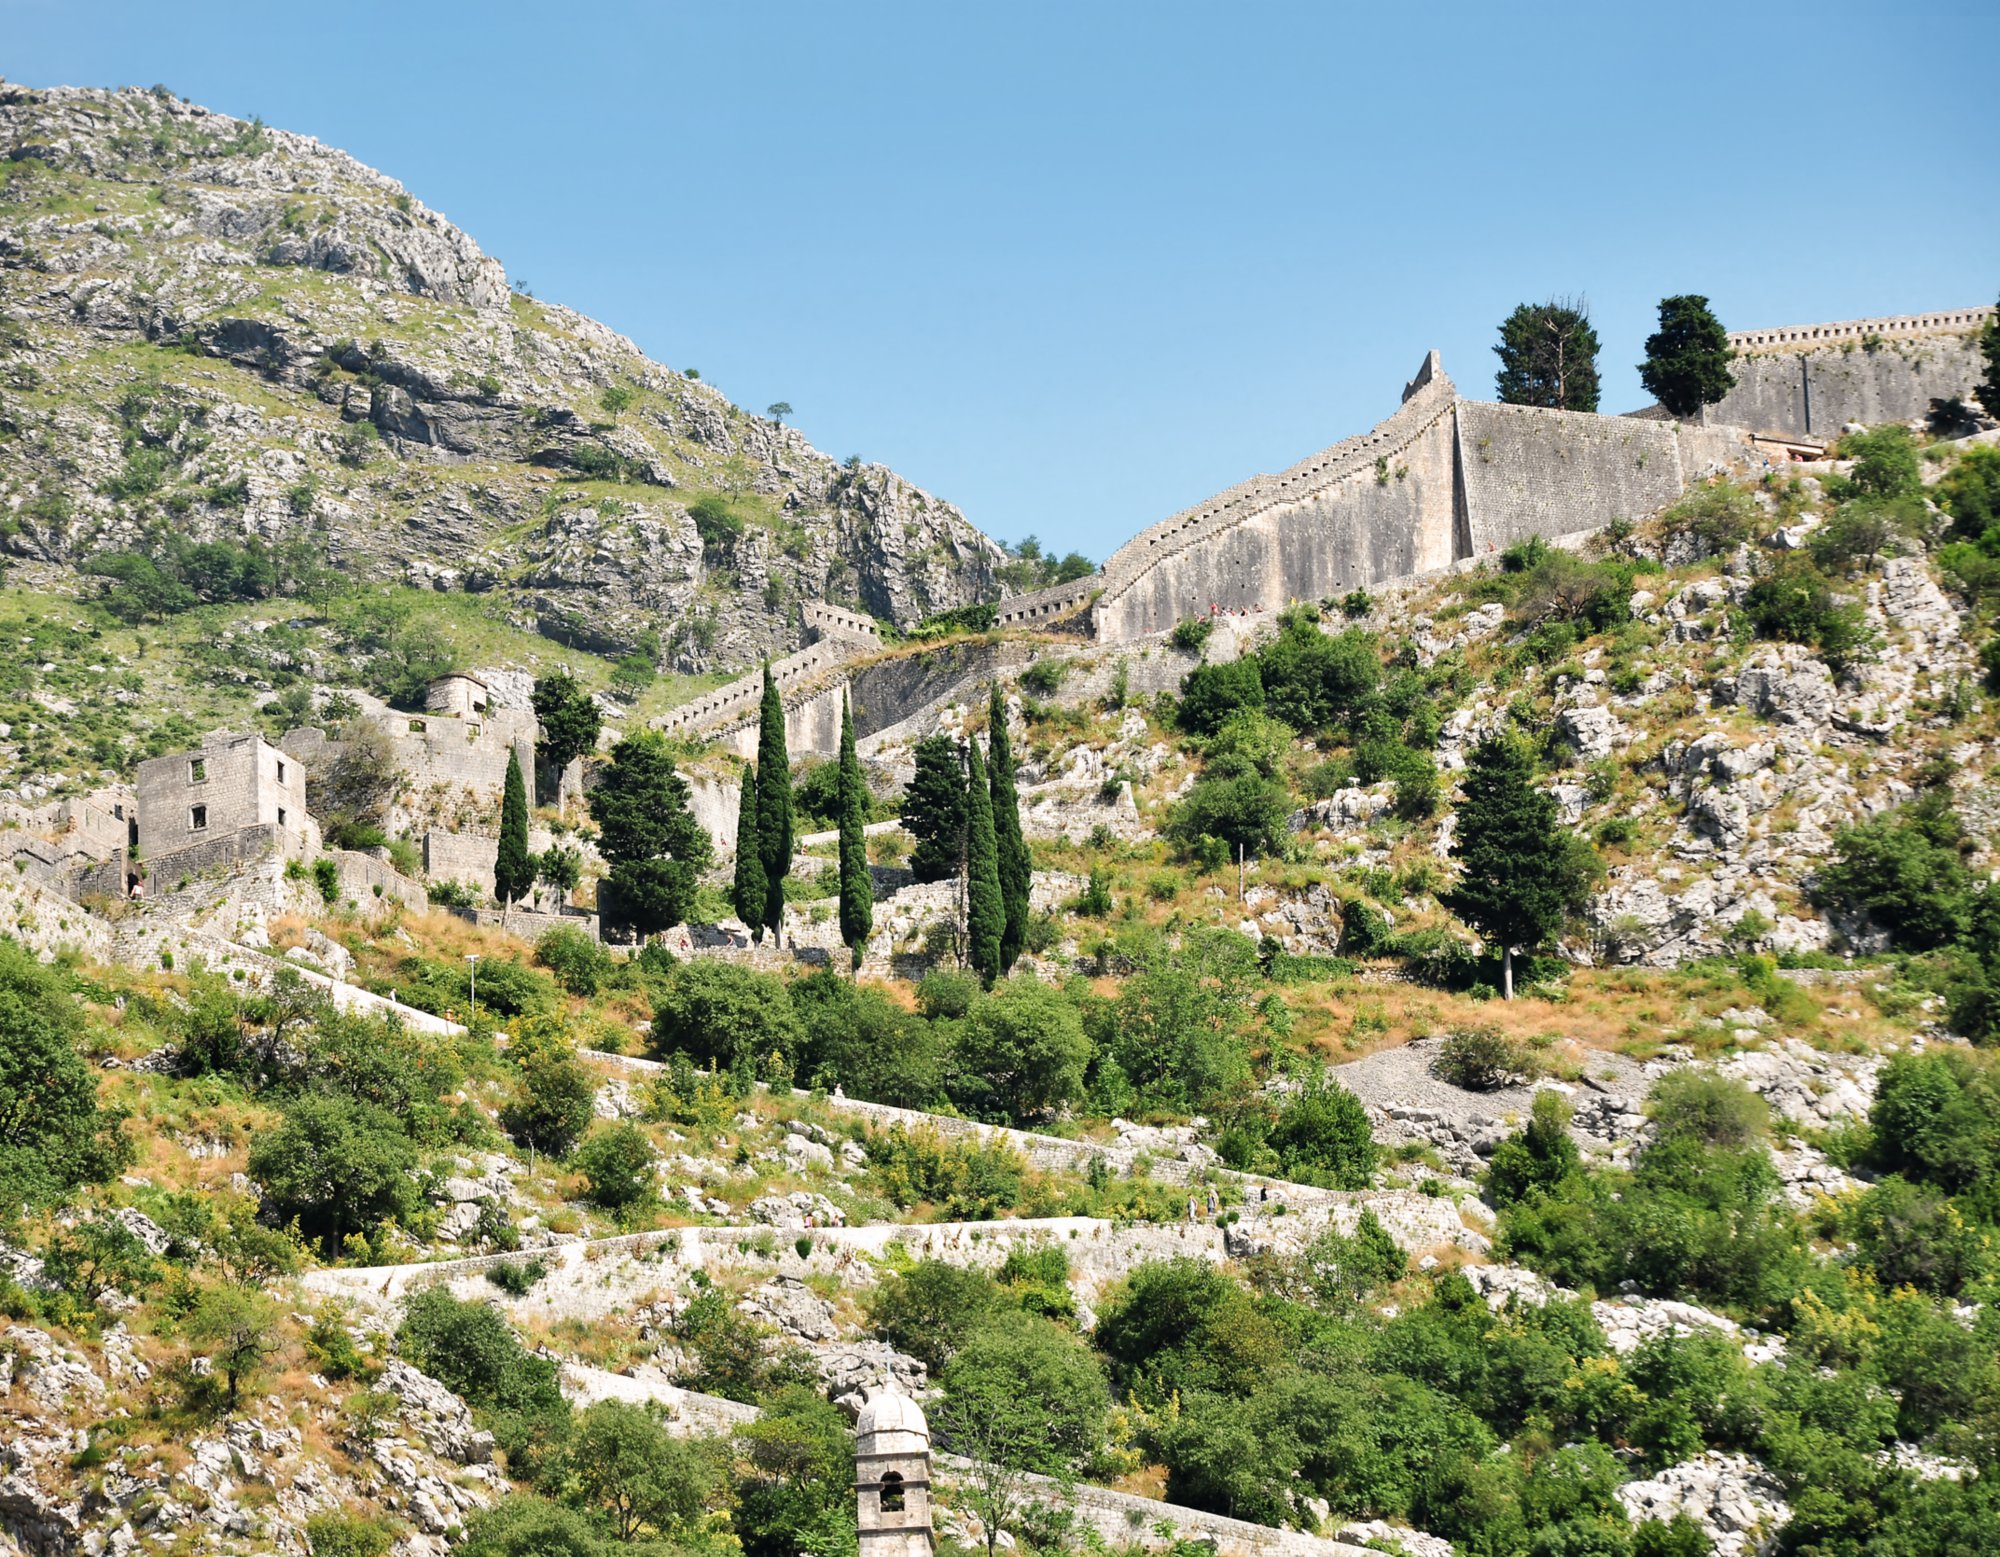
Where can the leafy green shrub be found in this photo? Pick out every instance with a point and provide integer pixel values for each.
(326, 877)
(1210, 694)
(617, 1167)
(1716, 517)
(1539, 1158)
(963, 1179)
(336, 1166)
(1793, 601)
(345, 1535)
(1903, 871)
(576, 958)
(1192, 633)
(517, 1278)
(554, 1099)
(931, 1309)
(1885, 461)
(1045, 676)
(722, 1014)
(1481, 1059)
(1322, 1136)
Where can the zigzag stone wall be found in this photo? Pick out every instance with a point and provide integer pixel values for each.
(1442, 481)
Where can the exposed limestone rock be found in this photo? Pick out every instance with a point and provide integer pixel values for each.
(1738, 1504)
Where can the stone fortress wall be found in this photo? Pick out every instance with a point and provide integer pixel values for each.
(810, 683)
(1442, 483)
(1808, 381)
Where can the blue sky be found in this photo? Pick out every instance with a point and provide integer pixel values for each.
(1074, 266)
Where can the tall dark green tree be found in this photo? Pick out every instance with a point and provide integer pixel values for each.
(569, 718)
(656, 848)
(1548, 356)
(746, 889)
(934, 809)
(774, 804)
(1687, 358)
(513, 865)
(1988, 391)
(1017, 867)
(857, 892)
(1520, 874)
(985, 908)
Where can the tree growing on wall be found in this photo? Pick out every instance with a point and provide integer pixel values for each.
(1016, 865)
(857, 892)
(985, 908)
(746, 887)
(1988, 391)
(569, 718)
(1687, 358)
(1520, 874)
(774, 804)
(656, 848)
(1548, 356)
(513, 865)
(934, 809)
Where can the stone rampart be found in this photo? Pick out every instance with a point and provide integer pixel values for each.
(824, 620)
(1957, 322)
(1812, 389)
(1525, 472)
(469, 857)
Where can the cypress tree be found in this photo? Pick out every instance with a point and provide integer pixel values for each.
(774, 804)
(746, 891)
(513, 866)
(1687, 358)
(985, 909)
(934, 809)
(1016, 867)
(857, 892)
(1520, 874)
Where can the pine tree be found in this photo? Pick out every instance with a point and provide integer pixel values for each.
(746, 891)
(857, 892)
(569, 719)
(1016, 866)
(934, 809)
(1548, 357)
(985, 909)
(513, 866)
(774, 804)
(1687, 359)
(1520, 874)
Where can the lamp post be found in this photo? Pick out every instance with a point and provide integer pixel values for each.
(472, 978)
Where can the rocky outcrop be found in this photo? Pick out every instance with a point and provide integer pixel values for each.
(380, 396)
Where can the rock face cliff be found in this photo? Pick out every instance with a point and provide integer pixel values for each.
(217, 330)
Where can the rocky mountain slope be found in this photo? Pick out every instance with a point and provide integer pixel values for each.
(223, 331)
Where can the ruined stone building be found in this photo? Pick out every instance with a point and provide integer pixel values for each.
(892, 1476)
(233, 798)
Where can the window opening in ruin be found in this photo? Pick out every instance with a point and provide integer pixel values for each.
(197, 818)
(198, 771)
(281, 816)
(281, 772)
(892, 1492)
(416, 727)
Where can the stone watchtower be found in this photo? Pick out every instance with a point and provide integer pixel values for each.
(892, 1474)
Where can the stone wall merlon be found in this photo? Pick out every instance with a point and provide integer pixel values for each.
(1950, 323)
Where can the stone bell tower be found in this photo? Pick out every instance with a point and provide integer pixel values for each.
(892, 1475)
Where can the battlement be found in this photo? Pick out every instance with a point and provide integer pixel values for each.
(1896, 327)
(832, 621)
